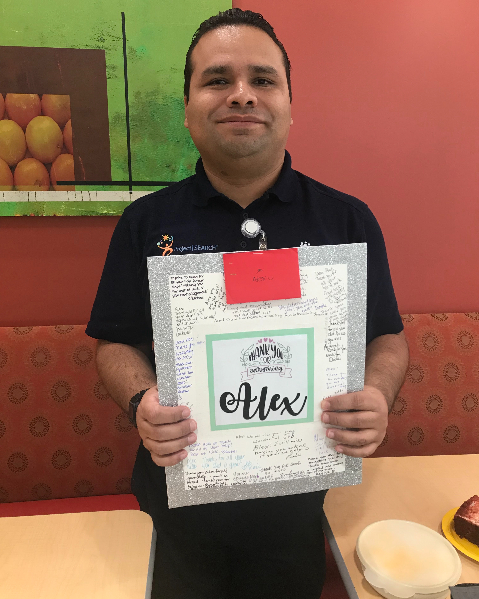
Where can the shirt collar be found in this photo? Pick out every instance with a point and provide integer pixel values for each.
(285, 187)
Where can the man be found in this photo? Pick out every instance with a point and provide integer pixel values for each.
(238, 112)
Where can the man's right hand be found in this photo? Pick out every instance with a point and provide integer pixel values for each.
(165, 430)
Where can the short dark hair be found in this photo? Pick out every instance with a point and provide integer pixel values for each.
(234, 16)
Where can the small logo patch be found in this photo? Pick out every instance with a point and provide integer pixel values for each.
(166, 244)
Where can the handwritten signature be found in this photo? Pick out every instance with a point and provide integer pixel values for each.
(260, 279)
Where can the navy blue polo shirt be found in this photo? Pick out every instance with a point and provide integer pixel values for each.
(191, 217)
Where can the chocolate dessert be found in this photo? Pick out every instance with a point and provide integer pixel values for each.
(466, 520)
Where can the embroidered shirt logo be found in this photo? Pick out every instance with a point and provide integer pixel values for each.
(196, 248)
(266, 356)
(166, 244)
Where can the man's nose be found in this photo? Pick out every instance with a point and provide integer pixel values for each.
(241, 95)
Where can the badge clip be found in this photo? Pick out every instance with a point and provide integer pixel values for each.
(251, 228)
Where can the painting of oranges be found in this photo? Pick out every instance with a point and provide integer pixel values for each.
(36, 142)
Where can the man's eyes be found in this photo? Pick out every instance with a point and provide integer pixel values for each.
(263, 82)
(217, 82)
(259, 81)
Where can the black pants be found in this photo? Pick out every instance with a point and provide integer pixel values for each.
(251, 549)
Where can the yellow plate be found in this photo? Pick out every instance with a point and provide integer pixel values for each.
(463, 545)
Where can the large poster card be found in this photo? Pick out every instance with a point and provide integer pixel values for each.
(254, 374)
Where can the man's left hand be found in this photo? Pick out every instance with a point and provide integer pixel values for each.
(365, 427)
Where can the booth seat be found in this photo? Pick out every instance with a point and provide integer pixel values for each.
(61, 434)
(65, 446)
(437, 408)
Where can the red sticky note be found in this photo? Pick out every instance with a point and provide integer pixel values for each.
(261, 275)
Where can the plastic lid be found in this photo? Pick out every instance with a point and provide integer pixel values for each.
(406, 558)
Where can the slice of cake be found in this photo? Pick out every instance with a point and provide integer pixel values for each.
(466, 520)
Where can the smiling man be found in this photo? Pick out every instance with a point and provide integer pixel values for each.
(238, 111)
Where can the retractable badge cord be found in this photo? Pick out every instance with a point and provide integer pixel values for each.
(251, 228)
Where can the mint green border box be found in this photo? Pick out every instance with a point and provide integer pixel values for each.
(277, 333)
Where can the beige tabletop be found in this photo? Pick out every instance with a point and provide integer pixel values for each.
(419, 489)
(90, 555)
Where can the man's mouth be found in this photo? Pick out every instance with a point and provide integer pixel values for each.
(241, 119)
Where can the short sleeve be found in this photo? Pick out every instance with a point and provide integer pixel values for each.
(119, 313)
(382, 311)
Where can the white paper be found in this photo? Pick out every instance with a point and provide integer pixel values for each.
(284, 445)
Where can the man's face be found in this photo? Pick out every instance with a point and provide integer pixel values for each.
(239, 102)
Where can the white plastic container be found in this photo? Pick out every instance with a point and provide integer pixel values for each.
(406, 560)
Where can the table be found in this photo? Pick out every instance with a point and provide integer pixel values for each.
(417, 488)
(86, 555)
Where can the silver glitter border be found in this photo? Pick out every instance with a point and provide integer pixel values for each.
(159, 271)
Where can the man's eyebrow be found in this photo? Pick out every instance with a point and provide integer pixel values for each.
(216, 69)
(257, 69)
(260, 69)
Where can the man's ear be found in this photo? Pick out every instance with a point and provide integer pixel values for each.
(186, 106)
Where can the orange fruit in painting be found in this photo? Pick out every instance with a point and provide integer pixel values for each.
(63, 170)
(6, 177)
(12, 142)
(68, 136)
(22, 108)
(44, 138)
(31, 175)
(57, 107)
(2, 106)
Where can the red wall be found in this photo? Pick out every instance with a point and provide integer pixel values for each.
(50, 267)
(385, 107)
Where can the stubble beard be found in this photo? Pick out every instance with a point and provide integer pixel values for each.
(243, 145)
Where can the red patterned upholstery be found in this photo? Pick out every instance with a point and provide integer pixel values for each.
(437, 410)
(61, 435)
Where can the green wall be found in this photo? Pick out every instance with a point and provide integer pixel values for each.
(158, 35)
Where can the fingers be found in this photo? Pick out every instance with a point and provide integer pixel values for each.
(169, 453)
(350, 401)
(359, 443)
(369, 399)
(362, 429)
(167, 442)
(357, 452)
(169, 460)
(351, 419)
(165, 430)
(153, 412)
(161, 448)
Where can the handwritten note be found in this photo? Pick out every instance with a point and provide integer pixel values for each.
(259, 457)
(190, 287)
(332, 284)
(234, 457)
(184, 364)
